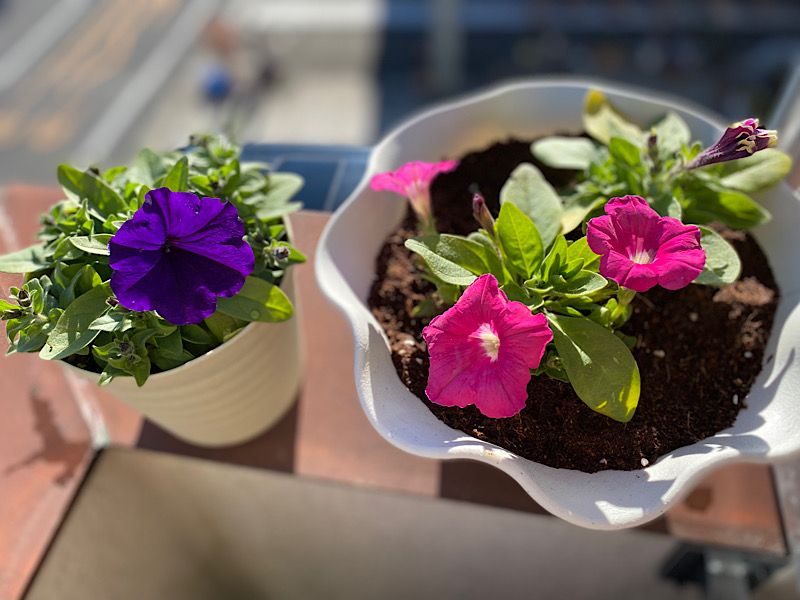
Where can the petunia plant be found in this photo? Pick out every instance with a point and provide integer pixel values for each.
(141, 269)
(545, 288)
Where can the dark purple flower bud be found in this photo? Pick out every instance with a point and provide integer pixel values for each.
(481, 213)
(281, 253)
(740, 140)
(178, 254)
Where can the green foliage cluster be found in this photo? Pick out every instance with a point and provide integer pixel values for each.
(527, 248)
(65, 308)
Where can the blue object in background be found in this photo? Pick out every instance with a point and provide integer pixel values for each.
(217, 83)
(331, 173)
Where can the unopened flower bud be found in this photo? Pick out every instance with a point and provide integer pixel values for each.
(281, 253)
(740, 140)
(481, 213)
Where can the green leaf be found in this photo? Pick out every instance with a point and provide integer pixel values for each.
(555, 260)
(576, 209)
(96, 244)
(529, 190)
(72, 332)
(177, 179)
(223, 326)
(440, 260)
(624, 151)
(579, 249)
(267, 213)
(258, 300)
(722, 261)
(283, 187)
(707, 202)
(599, 365)
(113, 321)
(519, 240)
(602, 121)
(26, 260)
(565, 152)
(195, 334)
(170, 346)
(97, 192)
(668, 206)
(672, 133)
(148, 167)
(759, 171)
(582, 284)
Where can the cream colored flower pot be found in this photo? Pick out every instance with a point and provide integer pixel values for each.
(229, 395)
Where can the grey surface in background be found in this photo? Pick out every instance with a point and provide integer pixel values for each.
(149, 525)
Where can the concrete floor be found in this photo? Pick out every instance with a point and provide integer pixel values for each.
(150, 525)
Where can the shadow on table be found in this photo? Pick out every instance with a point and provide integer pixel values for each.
(274, 449)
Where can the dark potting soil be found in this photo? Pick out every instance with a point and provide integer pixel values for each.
(699, 349)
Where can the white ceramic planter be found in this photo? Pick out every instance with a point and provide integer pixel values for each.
(767, 430)
(229, 395)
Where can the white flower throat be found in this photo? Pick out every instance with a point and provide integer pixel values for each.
(489, 340)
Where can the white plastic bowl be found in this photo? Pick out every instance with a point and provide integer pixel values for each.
(766, 431)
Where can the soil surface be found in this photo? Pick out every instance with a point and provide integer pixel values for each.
(699, 349)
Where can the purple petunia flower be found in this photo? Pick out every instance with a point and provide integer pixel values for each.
(739, 141)
(178, 254)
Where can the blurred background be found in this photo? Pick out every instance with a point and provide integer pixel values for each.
(93, 80)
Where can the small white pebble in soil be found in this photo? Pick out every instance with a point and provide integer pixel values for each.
(659, 353)
(603, 461)
(748, 354)
(693, 317)
(645, 462)
(735, 399)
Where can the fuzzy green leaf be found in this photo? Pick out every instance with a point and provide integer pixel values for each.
(177, 179)
(72, 332)
(722, 261)
(602, 121)
(710, 202)
(759, 171)
(258, 300)
(576, 209)
(599, 365)
(97, 192)
(561, 152)
(519, 240)
(96, 244)
(440, 257)
(582, 284)
(530, 191)
(26, 260)
(579, 249)
(672, 133)
(624, 151)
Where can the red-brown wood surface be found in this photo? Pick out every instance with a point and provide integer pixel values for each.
(50, 426)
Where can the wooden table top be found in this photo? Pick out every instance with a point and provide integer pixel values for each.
(52, 425)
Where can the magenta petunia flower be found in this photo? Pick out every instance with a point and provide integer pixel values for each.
(413, 181)
(640, 248)
(482, 351)
(178, 254)
(739, 140)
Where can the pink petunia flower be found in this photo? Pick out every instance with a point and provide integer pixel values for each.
(640, 248)
(413, 181)
(482, 351)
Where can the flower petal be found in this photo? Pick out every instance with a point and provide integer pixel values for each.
(463, 372)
